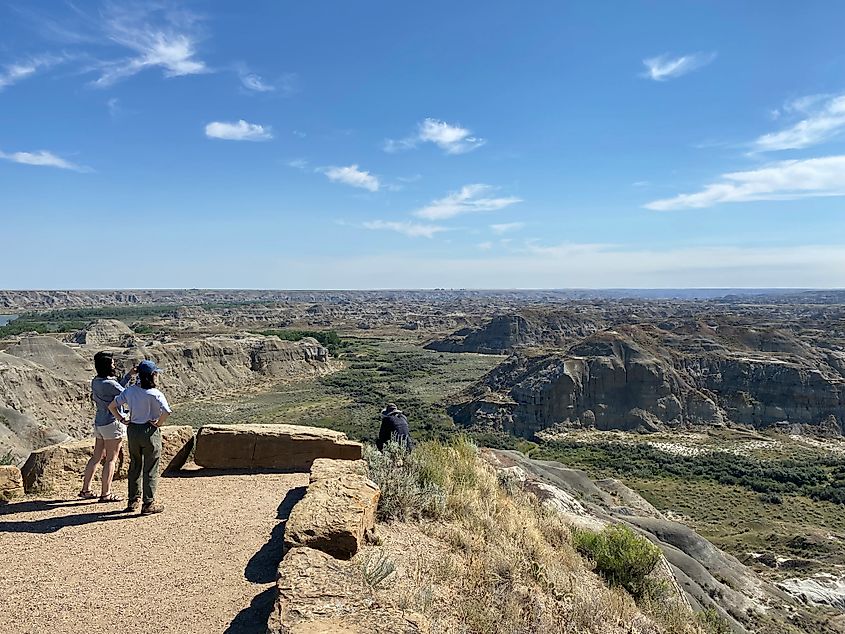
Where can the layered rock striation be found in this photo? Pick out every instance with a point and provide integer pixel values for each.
(45, 382)
(639, 377)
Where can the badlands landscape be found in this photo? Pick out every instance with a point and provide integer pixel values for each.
(709, 422)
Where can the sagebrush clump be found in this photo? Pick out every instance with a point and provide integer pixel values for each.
(622, 557)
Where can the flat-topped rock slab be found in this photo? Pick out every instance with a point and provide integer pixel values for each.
(57, 466)
(322, 595)
(287, 447)
(338, 510)
(11, 482)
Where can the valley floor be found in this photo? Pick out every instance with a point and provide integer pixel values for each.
(207, 564)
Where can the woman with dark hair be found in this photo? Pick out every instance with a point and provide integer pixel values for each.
(148, 410)
(108, 433)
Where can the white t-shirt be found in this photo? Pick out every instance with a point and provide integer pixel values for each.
(144, 405)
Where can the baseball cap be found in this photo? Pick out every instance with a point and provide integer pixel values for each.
(148, 367)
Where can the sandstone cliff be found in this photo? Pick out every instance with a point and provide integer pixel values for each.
(639, 377)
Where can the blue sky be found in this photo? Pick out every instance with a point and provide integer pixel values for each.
(404, 145)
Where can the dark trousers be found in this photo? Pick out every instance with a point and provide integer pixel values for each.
(144, 455)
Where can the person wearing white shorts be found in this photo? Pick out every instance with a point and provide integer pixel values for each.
(112, 431)
(108, 432)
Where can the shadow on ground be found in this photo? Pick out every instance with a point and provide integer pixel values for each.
(262, 568)
(52, 524)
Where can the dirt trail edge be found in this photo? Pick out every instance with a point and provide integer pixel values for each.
(207, 564)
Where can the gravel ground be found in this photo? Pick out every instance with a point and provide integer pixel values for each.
(207, 564)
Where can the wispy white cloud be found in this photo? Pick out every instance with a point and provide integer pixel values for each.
(12, 73)
(238, 131)
(254, 82)
(665, 67)
(42, 158)
(351, 175)
(485, 246)
(505, 227)
(300, 164)
(470, 199)
(783, 180)
(410, 229)
(452, 139)
(824, 120)
(159, 38)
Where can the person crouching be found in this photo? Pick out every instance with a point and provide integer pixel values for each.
(394, 426)
(148, 411)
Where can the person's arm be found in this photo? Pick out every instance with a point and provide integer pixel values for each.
(114, 408)
(165, 410)
(127, 378)
(162, 419)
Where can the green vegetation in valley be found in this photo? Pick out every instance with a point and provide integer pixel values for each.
(327, 338)
(743, 505)
(819, 478)
(72, 319)
(376, 371)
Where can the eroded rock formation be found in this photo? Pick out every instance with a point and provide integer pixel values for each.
(639, 377)
(44, 382)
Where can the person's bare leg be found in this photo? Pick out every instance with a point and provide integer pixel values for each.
(99, 452)
(112, 447)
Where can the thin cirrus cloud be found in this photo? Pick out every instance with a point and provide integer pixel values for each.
(506, 227)
(407, 228)
(255, 83)
(20, 70)
(664, 67)
(158, 38)
(452, 139)
(784, 180)
(352, 176)
(42, 158)
(823, 120)
(470, 199)
(238, 131)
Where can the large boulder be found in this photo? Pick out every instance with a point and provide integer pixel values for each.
(57, 466)
(11, 482)
(320, 594)
(337, 511)
(291, 447)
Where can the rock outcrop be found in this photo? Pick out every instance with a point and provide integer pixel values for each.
(338, 510)
(44, 382)
(59, 466)
(708, 577)
(528, 328)
(290, 447)
(104, 332)
(320, 594)
(636, 378)
(11, 482)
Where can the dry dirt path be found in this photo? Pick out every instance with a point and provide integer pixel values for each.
(207, 564)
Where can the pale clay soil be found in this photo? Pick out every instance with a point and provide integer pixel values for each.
(207, 564)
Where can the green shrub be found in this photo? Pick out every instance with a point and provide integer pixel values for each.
(712, 623)
(327, 338)
(408, 483)
(8, 458)
(622, 557)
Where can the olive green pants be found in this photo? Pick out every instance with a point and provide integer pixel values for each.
(144, 455)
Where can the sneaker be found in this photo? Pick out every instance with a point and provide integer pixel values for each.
(151, 508)
(132, 507)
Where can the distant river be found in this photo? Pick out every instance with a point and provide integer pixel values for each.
(5, 319)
